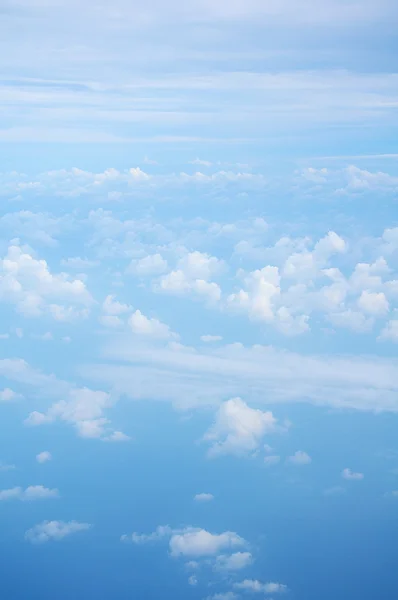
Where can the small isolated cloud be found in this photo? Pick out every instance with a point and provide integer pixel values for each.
(33, 492)
(233, 562)
(8, 395)
(299, 459)
(239, 429)
(351, 475)
(191, 542)
(193, 580)
(253, 585)
(43, 457)
(199, 542)
(204, 497)
(54, 530)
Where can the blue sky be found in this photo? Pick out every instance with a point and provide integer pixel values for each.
(199, 299)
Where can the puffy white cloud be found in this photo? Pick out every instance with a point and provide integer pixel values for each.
(33, 492)
(299, 458)
(150, 327)
(118, 436)
(203, 497)
(43, 457)
(29, 284)
(112, 307)
(233, 562)
(193, 580)
(193, 542)
(192, 276)
(390, 331)
(153, 264)
(8, 395)
(351, 475)
(189, 541)
(54, 530)
(373, 303)
(83, 408)
(253, 585)
(239, 429)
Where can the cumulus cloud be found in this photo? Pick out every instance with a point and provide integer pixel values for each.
(299, 459)
(189, 542)
(43, 457)
(239, 429)
(33, 492)
(28, 283)
(153, 264)
(8, 395)
(54, 530)
(112, 307)
(351, 475)
(193, 275)
(149, 327)
(193, 542)
(204, 497)
(233, 562)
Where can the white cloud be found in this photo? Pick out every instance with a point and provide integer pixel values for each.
(54, 530)
(150, 327)
(33, 492)
(8, 395)
(373, 303)
(390, 331)
(270, 375)
(199, 542)
(239, 429)
(193, 580)
(192, 276)
(83, 408)
(161, 532)
(118, 436)
(112, 307)
(208, 339)
(351, 475)
(299, 458)
(253, 585)
(43, 457)
(28, 284)
(233, 562)
(204, 497)
(153, 264)
(189, 541)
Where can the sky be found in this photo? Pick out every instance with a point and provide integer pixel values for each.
(199, 299)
